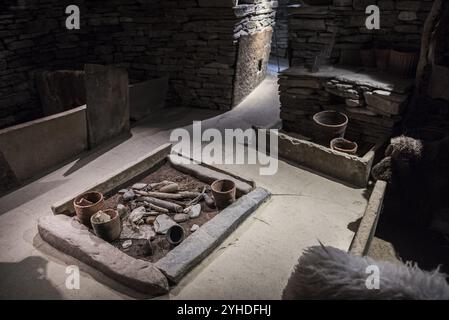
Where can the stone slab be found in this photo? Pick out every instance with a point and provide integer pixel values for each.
(381, 103)
(198, 245)
(358, 76)
(146, 97)
(348, 168)
(121, 176)
(206, 174)
(33, 147)
(107, 96)
(61, 90)
(367, 228)
(72, 238)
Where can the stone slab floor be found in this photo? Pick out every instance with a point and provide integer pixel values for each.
(254, 262)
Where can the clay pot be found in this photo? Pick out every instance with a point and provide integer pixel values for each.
(109, 230)
(382, 58)
(175, 235)
(343, 145)
(403, 63)
(367, 58)
(329, 125)
(224, 192)
(87, 205)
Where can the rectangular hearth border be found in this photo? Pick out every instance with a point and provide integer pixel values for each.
(69, 236)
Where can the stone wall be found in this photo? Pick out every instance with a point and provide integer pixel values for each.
(280, 46)
(195, 43)
(327, 31)
(373, 101)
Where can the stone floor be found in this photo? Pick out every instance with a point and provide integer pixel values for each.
(254, 262)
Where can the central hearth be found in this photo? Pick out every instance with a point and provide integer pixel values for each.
(147, 263)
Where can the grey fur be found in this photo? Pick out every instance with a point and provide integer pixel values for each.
(330, 273)
(406, 146)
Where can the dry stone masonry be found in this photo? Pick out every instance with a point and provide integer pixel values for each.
(195, 43)
(327, 73)
(341, 25)
(372, 101)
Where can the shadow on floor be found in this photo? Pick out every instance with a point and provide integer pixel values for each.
(27, 194)
(86, 271)
(26, 280)
(411, 241)
(90, 156)
(171, 118)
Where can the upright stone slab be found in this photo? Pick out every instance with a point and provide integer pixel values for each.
(61, 90)
(107, 96)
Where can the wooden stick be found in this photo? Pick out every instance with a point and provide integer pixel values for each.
(157, 208)
(164, 204)
(198, 198)
(159, 184)
(173, 196)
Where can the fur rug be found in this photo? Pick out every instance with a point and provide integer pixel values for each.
(330, 273)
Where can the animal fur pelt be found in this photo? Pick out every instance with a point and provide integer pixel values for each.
(402, 155)
(329, 273)
(418, 173)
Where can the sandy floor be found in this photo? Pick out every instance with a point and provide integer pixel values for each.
(254, 262)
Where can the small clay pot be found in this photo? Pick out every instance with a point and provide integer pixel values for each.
(343, 145)
(87, 204)
(175, 235)
(224, 192)
(329, 125)
(109, 230)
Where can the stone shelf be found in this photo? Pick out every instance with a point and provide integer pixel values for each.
(371, 78)
(373, 101)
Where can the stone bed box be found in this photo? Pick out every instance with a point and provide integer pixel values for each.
(352, 169)
(69, 236)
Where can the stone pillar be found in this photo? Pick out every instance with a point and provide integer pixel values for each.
(107, 96)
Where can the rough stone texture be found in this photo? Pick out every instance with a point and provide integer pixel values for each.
(372, 101)
(67, 235)
(107, 96)
(279, 45)
(36, 146)
(383, 104)
(254, 53)
(162, 223)
(367, 228)
(194, 44)
(61, 90)
(352, 169)
(198, 245)
(311, 28)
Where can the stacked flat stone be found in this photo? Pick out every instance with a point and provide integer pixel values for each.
(194, 42)
(280, 46)
(372, 101)
(310, 27)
